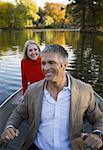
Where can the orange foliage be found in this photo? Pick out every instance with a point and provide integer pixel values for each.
(56, 11)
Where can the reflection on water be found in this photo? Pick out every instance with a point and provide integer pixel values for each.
(10, 76)
(85, 56)
(89, 64)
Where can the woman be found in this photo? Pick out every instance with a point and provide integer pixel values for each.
(31, 64)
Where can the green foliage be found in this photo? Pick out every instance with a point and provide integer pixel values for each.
(20, 16)
(48, 20)
(6, 14)
(72, 14)
(17, 16)
(41, 14)
(88, 13)
(32, 13)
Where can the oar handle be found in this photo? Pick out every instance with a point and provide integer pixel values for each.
(1, 141)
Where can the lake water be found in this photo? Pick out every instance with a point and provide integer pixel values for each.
(85, 56)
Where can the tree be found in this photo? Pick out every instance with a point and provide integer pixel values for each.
(20, 16)
(48, 21)
(6, 15)
(41, 14)
(55, 11)
(89, 12)
(72, 13)
(32, 12)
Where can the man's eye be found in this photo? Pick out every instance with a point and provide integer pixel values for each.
(51, 62)
(43, 63)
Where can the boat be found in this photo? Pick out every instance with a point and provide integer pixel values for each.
(8, 106)
(6, 109)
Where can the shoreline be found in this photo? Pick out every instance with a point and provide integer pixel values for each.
(71, 28)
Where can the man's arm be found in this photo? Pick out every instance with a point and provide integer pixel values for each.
(14, 121)
(9, 134)
(95, 117)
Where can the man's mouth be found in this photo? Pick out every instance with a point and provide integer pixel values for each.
(48, 74)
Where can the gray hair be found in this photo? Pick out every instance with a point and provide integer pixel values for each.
(27, 43)
(57, 49)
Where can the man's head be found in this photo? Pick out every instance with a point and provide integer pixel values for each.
(54, 62)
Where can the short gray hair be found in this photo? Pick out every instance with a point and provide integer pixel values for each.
(57, 49)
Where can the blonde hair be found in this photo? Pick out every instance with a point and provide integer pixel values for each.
(27, 43)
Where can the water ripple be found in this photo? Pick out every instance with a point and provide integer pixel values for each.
(10, 75)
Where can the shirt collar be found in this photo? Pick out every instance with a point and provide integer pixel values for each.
(68, 83)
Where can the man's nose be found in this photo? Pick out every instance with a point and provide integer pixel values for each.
(46, 66)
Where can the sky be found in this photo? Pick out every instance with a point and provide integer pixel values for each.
(42, 2)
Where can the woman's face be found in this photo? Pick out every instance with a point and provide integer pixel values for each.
(32, 52)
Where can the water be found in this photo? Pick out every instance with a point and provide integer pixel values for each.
(85, 56)
(10, 75)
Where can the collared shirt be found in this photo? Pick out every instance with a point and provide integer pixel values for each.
(53, 132)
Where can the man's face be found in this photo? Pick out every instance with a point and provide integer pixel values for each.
(53, 66)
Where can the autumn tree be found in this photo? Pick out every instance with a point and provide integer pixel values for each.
(48, 21)
(56, 11)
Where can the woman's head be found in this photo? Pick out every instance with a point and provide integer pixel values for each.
(31, 50)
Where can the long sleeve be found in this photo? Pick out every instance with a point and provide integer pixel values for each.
(94, 115)
(19, 114)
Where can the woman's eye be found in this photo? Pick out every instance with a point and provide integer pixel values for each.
(30, 50)
(35, 49)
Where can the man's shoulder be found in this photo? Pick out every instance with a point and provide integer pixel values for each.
(36, 85)
(81, 83)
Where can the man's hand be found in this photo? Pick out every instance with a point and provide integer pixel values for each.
(9, 134)
(92, 140)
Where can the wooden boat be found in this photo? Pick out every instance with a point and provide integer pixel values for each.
(7, 107)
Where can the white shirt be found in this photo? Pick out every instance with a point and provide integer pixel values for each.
(53, 132)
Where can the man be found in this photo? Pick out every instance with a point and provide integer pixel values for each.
(55, 108)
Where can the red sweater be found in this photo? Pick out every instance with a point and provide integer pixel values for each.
(31, 72)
